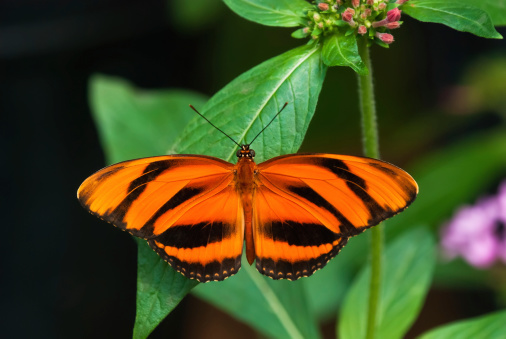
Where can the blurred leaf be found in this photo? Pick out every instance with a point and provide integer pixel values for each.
(159, 290)
(491, 326)
(244, 106)
(408, 266)
(496, 9)
(134, 123)
(284, 13)
(453, 14)
(341, 50)
(276, 308)
(194, 14)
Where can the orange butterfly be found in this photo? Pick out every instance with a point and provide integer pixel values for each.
(295, 212)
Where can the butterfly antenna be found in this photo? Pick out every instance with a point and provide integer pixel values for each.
(193, 108)
(282, 108)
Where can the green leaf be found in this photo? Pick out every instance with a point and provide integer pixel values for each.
(454, 14)
(284, 13)
(408, 265)
(342, 50)
(490, 326)
(278, 309)
(496, 9)
(248, 103)
(159, 290)
(134, 123)
(299, 34)
(241, 109)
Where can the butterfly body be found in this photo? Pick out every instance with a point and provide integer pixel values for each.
(293, 212)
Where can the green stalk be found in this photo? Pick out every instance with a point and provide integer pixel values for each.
(371, 149)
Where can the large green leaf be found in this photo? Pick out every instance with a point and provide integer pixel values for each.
(244, 106)
(341, 50)
(490, 326)
(408, 265)
(135, 123)
(284, 13)
(454, 14)
(242, 109)
(496, 9)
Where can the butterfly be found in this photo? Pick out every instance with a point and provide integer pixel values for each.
(294, 212)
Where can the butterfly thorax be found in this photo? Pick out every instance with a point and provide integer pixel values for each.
(245, 185)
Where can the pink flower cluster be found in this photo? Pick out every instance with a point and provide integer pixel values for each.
(477, 233)
(391, 21)
(368, 18)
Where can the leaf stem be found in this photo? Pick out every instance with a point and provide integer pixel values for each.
(371, 149)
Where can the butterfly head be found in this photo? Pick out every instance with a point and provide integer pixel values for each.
(245, 152)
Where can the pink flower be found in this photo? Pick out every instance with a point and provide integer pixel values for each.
(394, 15)
(382, 6)
(355, 3)
(400, 2)
(370, 2)
(362, 29)
(478, 232)
(323, 6)
(385, 37)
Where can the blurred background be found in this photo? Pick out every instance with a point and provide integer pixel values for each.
(65, 274)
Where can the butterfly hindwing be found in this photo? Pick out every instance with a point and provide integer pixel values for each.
(173, 201)
(290, 239)
(206, 242)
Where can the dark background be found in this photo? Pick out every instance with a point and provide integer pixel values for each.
(65, 274)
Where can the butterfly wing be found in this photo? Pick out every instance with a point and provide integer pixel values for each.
(307, 206)
(184, 205)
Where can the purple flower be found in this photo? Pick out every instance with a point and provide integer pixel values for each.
(478, 233)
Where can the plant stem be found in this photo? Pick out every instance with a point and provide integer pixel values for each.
(371, 149)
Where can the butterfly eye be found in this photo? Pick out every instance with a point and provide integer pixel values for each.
(252, 153)
(238, 154)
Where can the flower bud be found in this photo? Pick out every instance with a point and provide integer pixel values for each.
(382, 6)
(323, 6)
(400, 2)
(355, 3)
(362, 29)
(385, 37)
(394, 15)
(393, 25)
(348, 15)
(370, 2)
